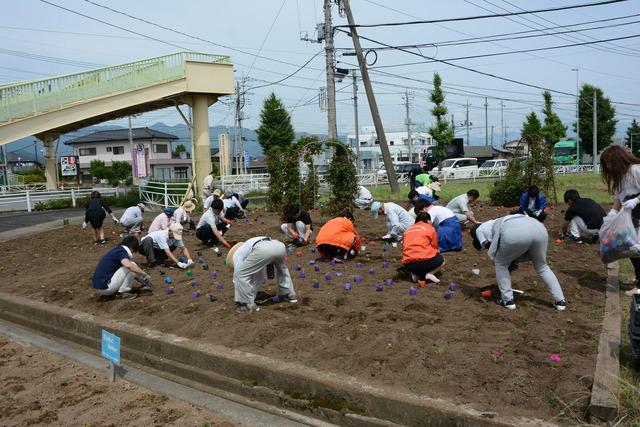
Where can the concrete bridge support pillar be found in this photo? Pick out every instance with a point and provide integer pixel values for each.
(50, 171)
(201, 145)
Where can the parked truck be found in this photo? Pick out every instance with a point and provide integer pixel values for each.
(565, 152)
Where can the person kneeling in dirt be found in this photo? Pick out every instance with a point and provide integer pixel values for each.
(533, 203)
(161, 222)
(445, 223)
(249, 261)
(298, 226)
(212, 225)
(420, 250)
(132, 219)
(398, 220)
(182, 215)
(583, 218)
(512, 239)
(338, 239)
(460, 207)
(115, 272)
(233, 208)
(159, 245)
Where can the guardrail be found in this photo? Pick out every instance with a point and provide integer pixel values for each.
(27, 199)
(33, 97)
(17, 188)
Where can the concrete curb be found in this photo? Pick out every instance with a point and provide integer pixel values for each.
(39, 228)
(604, 394)
(335, 398)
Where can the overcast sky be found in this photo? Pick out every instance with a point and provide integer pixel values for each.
(273, 28)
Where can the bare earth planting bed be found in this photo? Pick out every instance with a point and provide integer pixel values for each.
(466, 349)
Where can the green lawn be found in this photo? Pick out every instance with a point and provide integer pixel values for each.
(588, 184)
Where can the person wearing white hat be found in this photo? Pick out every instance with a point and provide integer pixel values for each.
(217, 194)
(159, 245)
(182, 215)
(398, 220)
(132, 219)
(460, 206)
(251, 261)
(207, 185)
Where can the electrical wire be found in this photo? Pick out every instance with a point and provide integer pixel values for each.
(266, 37)
(471, 18)
(289, 75)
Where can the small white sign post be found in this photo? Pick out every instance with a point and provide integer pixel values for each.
(111, 352)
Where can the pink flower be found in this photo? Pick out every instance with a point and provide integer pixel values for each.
(555, 357)
(496, 353)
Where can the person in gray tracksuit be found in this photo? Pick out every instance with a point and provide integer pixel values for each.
(250, 260)
(512, 239)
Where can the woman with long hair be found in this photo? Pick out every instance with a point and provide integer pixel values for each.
(95, 215)
(621, 172)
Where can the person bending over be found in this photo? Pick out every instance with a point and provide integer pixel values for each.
(298, 226)
(182, 215)
(583, 218)
(158, 246)
(398, 220)
(460, 207)
(212, 225)
(161, 222)
(250, 261)
(420, 253)
(338, 239)
(445, 223)
(513, 239)
(116, 273)
(95, 215)
(132, 219)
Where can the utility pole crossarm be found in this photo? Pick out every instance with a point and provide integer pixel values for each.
(375, 114)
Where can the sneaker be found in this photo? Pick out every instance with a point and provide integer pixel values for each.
(560, 305)
(96, 242)
(573, 238)
(414, 278)
(292, 298)
(431, 278)
(511, 305)
(103, 242)
(242, 307)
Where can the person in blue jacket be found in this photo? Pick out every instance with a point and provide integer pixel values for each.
(533, 203)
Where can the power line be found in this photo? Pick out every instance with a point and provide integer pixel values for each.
(470, 18)
(288, 76)
(265, 39)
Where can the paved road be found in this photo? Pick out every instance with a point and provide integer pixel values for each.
(26, 219)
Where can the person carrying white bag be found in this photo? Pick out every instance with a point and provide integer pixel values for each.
(621, 172)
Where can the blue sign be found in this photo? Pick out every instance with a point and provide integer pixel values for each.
(111, 347)
(247, 159)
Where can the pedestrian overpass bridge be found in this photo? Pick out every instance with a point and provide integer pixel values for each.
(49, 107)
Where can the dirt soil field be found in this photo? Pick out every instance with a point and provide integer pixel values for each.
(465, 349)
(42, 388)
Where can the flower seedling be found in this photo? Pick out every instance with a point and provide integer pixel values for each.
(213, 274)
(290, 249)
(413, 292)
(332, 263)
(448, 295)
(275, 298)
(182, 259)
(327, 276)
(170, 290)
(453, 287)
(200, 260)
(303, 275)
(339, 274)
(189, 273)
(219, 286)
(496, 355)
(422, 283)
(195, 294)
(379, 288)
(555, 358)
(357, 278)
(312, 262)
(315, 284)
(299, 253)
(372, 271)
(388, 282)
(316, 267)
(358, 265)
(195, 282)
(298, 267)
(347, 286)
(385, 264)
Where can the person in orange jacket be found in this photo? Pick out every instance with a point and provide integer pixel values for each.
(338, 239)
(420, 253)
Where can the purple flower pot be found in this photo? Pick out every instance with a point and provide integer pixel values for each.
(357, 278)
(168, 280)
(171, 290)
(379, 288)
(339, 274)
(298, 267)
(332, 263)
(388, 282)
(413, 292)
(219, 286)
(448, 295)
(312, 262)
(195, 294)
(385, 264)
(200, 260)
(453, 287)
(275, 298)
(327, 276)
(303, 275)
(195, 282)
(372, 271)
(315, 284)
(358, 265)
(213, 274)
(316, 267)
(347, 286)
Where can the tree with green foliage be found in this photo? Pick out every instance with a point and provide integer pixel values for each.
(553, 129)
(531, 126)
(121, 169)
(276, 136)
(342, 178)
(441, 132)
(309, 146)
(99, 170)
(606, 119)
(633, 136)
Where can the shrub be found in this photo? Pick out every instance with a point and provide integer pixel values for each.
(114, 182)
(128, 182)
(40, 206)
(342, 178)
(131, 198)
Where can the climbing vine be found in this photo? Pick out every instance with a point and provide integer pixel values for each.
(342, 178)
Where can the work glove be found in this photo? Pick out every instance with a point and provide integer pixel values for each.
(537, 213)
(189, 262)
(227, 245)
(612, 213)
(146, 279)
(386, 237)
(631, 203)
(182, 265)
(84, 225)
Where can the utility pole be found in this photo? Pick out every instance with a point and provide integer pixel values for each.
(486, 122)
(331, 83)
(577, 70)
(373, 105)
(354, 74)
(492, 135)
(595, 127)
(467, 122)
(133, 169)
(408, 123)
(501, 123)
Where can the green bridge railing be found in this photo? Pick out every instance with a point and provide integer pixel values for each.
(24, 99)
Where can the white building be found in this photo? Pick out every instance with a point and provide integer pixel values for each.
(371, 156)
(113, 145)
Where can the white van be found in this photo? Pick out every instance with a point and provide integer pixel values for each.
(461, 167)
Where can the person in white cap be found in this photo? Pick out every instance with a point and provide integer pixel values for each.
(182, 215)
(217, 194)
(250, 261)
(398, 220)
(159, 245)
(132, 219)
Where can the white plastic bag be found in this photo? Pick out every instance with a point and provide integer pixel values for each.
(617, 237)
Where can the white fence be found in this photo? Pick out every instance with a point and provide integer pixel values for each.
(21, 200)
(17, 188)
(162, 194)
